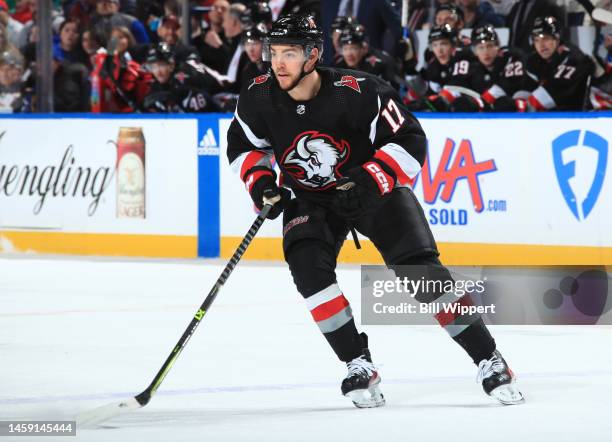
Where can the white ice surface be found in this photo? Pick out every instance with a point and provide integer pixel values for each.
(76, 334)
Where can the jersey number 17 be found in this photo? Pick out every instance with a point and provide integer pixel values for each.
(392, 108)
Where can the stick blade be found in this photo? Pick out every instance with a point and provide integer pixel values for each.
(602, 15)
(91, 418)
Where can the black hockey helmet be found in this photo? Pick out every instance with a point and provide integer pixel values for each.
(353, 35)
(160, 52)
(342, 22)
(483, 34)
(546, 26)
(442, 32)
(257, 12)
(294, 29)
(256, 33)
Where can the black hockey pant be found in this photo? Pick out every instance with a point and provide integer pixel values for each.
(312, 239)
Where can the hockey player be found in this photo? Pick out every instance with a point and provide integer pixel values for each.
(338, 26)
(253, 65)
(347, 151)
(442, 42)
(443, 53)
(559, 73)
(180, 89)
(356, 54)
(494, 75)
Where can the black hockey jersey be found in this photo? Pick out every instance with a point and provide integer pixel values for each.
(436, 75)
(354, 117)
(506, 76)
(371, 64)
(187, 91)
(559, 83)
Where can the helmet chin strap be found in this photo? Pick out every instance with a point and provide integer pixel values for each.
(303, 73)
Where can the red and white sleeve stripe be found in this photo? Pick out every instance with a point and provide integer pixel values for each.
(405, 166)
(541, 100)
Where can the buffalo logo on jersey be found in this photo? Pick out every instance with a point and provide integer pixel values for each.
(314, 158)
(259, 80)
(349, 81)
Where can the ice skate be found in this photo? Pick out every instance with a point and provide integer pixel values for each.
(498, 380)
(361, 385)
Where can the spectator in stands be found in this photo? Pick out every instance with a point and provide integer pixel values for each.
(129, 6)
(68, 48)
(215, 16)
(219, 57)
(13, 27)
(107, 17)
(523, 14)
(150, 13)
(558, 72)
(118, 83)
(168, 32)
(71, 87)
(90, 41)
(122, 42)
(82, 11)
(23, 12)
(502, 7)
(478, 13)
(27, 29)
(5, 45)
(601, 91)
(210, 44)
(11, 93)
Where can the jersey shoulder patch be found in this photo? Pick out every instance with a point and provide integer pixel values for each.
(260, 79)
(350, 81)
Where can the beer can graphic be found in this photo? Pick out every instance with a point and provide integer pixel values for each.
(130, 173)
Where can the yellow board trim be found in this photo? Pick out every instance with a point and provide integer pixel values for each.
(450, 253)
(159, 246)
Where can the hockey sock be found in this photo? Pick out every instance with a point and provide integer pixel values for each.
(312, 265)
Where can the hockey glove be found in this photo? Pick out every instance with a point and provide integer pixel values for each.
(363, 189)
(262, 184)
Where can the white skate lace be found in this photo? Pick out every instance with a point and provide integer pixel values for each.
(488, 367)
(359, 366)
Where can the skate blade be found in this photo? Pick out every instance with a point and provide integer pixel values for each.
(367, 398)
(508, 394)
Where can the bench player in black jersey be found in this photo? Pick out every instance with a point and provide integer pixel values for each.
(493, 76)
(558, 72)
(356, 55)
(348, 151)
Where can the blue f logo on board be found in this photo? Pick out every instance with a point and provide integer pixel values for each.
(580, 158)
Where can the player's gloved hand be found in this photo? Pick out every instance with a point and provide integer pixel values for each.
(363, 189)
(264, 187)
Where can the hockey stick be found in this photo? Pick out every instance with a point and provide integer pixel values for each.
(105, 412)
